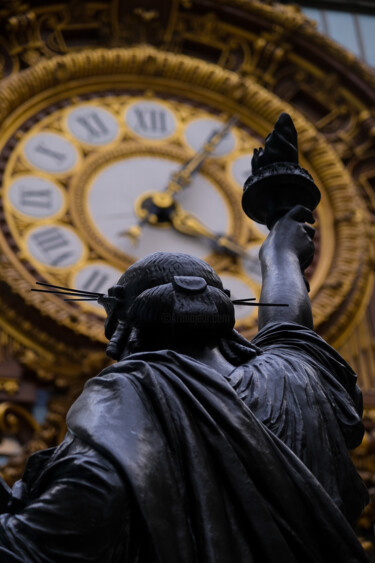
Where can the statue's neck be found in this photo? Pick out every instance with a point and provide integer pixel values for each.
(212, 357)
(209, 355)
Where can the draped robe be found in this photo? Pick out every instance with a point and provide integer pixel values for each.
(166, 460)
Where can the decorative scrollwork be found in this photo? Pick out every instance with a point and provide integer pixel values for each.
(14, 417)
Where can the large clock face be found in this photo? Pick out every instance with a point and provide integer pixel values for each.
(100, 171)
(88, 174)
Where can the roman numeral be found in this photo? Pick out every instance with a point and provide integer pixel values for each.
(52, 240)
(93, 124)
(97, 281)
(35, 198)
(56, 155)
(151, 120)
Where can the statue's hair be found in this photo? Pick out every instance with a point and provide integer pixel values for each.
(171, 308)
(160, 267)
(174, 296)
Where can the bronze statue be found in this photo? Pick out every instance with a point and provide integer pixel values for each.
(197, 445)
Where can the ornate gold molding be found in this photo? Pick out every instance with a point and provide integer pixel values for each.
(12, 416)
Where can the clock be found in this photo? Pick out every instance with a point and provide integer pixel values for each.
(81, 177)
(109, 155)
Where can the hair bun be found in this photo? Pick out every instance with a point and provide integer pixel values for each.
(189, 284)
(186, 306)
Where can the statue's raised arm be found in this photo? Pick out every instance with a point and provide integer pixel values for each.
(284, 255)
(282, 195)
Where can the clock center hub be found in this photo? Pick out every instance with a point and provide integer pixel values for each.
(155, 208)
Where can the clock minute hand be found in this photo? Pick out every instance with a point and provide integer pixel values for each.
(183, 176)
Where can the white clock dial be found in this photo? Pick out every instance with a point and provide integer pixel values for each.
(241, 169)
(239, 289)
(92, 125)
(114, 191)
(50, 152)
(35, 197)
(97, 277)
(150, 120)
(55, 246)
(199, 131)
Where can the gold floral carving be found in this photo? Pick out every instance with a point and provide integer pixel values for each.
(12, 416)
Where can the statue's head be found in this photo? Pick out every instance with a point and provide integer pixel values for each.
(166, 297)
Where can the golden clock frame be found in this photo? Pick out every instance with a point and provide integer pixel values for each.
(143, 67)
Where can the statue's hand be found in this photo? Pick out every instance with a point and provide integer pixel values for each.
(291, 234)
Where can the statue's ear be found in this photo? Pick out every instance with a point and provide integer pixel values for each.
(110, 325)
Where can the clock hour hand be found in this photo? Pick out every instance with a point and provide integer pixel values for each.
(187, 224)
(183, 176)
(160, 209)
